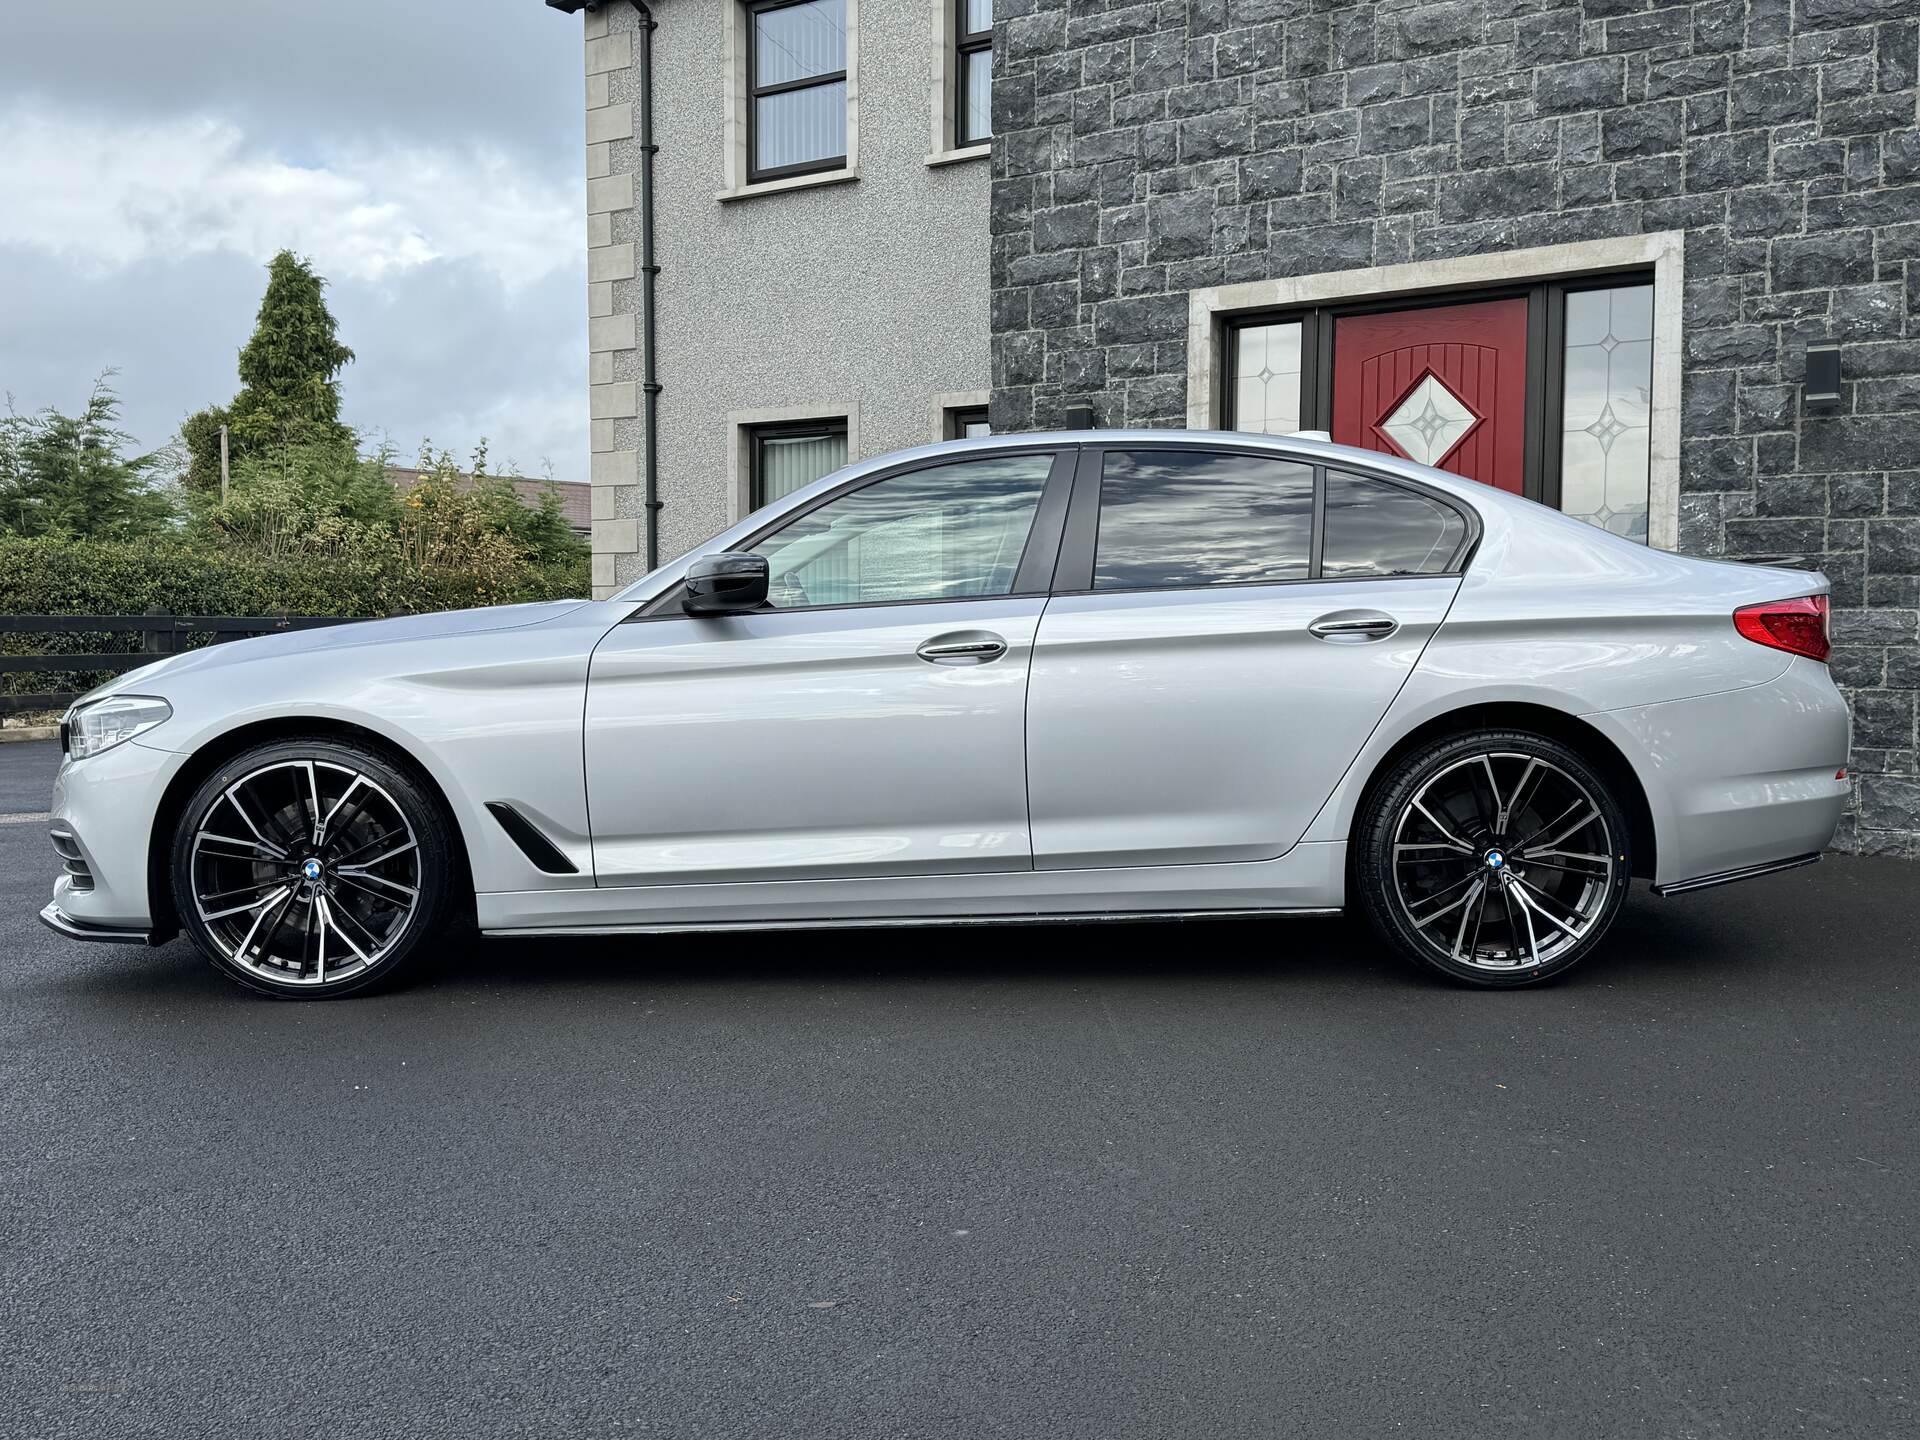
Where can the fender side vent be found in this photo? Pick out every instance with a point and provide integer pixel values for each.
(535, 846)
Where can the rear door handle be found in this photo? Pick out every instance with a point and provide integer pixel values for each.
(963, 647)
(1352, 626)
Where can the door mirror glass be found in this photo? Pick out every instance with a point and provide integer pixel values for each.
(729, 583)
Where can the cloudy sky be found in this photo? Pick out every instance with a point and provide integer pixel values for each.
(153, 156)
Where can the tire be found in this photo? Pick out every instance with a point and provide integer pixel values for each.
(312, 868)
(1476, 857)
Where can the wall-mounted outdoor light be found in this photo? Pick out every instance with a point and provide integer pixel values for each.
(1822, 385)
(1076, 417)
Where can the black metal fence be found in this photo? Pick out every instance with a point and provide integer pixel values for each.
(81, 651)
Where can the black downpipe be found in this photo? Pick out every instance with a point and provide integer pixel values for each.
(649, 271)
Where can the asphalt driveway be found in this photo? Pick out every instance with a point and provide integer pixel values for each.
(26, 776)
(1209, 1179)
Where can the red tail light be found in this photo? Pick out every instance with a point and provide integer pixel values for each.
(1797, 626)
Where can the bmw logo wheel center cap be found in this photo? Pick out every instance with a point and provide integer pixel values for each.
(1496, 859)
(311, 869)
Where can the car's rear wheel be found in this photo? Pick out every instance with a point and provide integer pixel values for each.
(310, 869)
(1497, 858)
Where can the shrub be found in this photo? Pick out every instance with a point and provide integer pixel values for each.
(316, 500)
(449, 513)
(320, 500)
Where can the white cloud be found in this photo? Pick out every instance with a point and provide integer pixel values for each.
(108, 196)
(457, 264)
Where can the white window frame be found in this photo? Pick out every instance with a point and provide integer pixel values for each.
(1664, 252)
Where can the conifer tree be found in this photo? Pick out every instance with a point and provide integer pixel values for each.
(72, 475)
(290, 368)
(289, 376)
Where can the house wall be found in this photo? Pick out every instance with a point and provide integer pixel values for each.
(1146, 152)
(863, 297)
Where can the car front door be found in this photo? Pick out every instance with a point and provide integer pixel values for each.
(1227, 629)
(869, 722)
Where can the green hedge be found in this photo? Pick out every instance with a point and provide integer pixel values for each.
(56, 577)
(173, 574)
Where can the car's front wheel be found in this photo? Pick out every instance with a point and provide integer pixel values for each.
(310, 868)
(1497, 858)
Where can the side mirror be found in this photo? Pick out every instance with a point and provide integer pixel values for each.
(729, 583)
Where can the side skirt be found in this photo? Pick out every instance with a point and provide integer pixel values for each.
(1309, 879)
(1728, 877)
(912, 922)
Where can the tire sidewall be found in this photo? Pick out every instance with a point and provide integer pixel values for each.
(408, 792)
(1380, 896)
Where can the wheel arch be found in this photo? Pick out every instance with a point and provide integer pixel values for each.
(223, 747)
(1570, 730)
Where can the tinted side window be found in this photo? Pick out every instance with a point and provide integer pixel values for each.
(1176, 519)
(941, 534)
(1378, 529)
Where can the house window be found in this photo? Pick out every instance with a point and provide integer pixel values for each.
(787, 457)
(796, 87)
(968, 423)
(1542, 390)
(973, 73)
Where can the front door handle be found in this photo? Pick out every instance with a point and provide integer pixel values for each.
(1348, 627)
(963, 647)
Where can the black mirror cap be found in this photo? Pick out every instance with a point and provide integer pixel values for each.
(729, 583)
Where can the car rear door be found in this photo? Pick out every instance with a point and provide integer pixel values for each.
(870, 722)
(1228, 626)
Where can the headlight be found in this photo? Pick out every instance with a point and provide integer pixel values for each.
(110, 722)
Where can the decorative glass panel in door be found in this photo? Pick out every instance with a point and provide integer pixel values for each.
(1605, 434)
(1266, 371)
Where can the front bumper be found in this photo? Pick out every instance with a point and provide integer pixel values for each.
(61, 923)
(102, 821)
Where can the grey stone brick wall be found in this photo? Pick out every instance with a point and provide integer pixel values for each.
(1145, 149)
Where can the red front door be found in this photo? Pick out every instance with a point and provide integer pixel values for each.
(1445, 385)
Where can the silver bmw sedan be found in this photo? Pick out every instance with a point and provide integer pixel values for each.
(1036, 677)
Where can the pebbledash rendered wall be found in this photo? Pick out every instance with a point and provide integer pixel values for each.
(861, 294)
(1145, 151)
